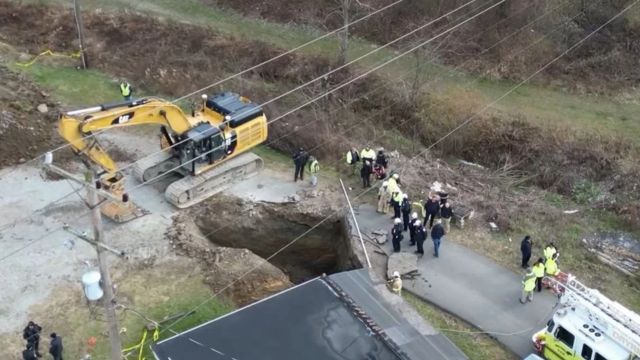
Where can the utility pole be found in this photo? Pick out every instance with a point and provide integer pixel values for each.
(98, 236)
(78, 16)
(94, 192)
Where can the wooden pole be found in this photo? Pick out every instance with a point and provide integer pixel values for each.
(77, 15)
(108, 300)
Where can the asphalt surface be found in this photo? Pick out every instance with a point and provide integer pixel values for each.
(308, 321)
(472, 288)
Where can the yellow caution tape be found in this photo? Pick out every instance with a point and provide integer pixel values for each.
(49, 53)
(140, 345)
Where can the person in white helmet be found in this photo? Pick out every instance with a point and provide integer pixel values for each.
(395, 283)
(396, 234)
(383, 198)
(412, 228)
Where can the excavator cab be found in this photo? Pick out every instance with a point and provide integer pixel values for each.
(205, 144)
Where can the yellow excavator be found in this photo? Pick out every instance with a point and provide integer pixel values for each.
(209, 149)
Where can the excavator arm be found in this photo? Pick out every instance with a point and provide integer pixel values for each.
(77, 126)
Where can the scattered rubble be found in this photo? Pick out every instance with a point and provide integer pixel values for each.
(617, 249)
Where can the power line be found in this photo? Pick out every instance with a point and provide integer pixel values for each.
(511, 90)
(230, 77)
(319, 145)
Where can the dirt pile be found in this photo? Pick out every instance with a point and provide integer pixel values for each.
(25, 131)
(223, 265)
(266, 228)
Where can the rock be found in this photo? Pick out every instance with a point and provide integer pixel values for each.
(404, 263)
(379, 236)
(43, 108)
(22, 160)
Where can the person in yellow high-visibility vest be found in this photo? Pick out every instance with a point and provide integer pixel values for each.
(528, 285)
(396, 202)
(551, 267)
(126, 90)
(314, 169)
(550, 251)
(538, 270)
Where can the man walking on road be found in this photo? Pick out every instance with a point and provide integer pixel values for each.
(396, 234)
(420, 236)
(437, 232)
(55, 348)
(538, 270)
(432, 206)
(528, 284)
(525, 249)
(300, 158)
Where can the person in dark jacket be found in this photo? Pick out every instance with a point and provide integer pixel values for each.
(381, 159)
(446, 213)
(420, 236)
(525, 249)
(300, 159)
(405, 207)
(396, 234)
(31, 333)
(412, 228)
(431, 208)
(365, 173)
(437, 233)
(55, 348)
(29, 354)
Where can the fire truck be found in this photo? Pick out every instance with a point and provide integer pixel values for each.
(588, 326)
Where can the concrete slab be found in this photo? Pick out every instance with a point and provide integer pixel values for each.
(472, 287)
(402, 262)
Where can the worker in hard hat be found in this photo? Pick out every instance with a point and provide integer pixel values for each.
(528, 285)
(126, 90)
(412, 228)
(396, 234)
(383, 198)
(550, 251)
(396, 202)
(420, 236)
(538, 270)
(368, 154)
(395, 283)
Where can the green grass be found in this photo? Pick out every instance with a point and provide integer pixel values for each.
(476, 346)
(75, 87)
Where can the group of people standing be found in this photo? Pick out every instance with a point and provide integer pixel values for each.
(436, 209)
(31, 334)
(302, 159)
(373, 164)
(547, 265)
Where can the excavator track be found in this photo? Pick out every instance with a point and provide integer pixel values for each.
(193, 189)
(151, 167)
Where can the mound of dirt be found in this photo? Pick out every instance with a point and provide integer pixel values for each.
(25, 131)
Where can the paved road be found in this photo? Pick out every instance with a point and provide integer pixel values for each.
(473, 288)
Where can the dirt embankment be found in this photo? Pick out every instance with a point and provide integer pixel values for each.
(24, 130)
(604, 63)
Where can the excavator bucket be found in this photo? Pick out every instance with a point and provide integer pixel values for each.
(122, 212)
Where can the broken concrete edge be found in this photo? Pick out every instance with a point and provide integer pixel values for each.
(467, 323)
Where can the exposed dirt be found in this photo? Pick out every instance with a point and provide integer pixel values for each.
(24, 130)
(224, 264)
